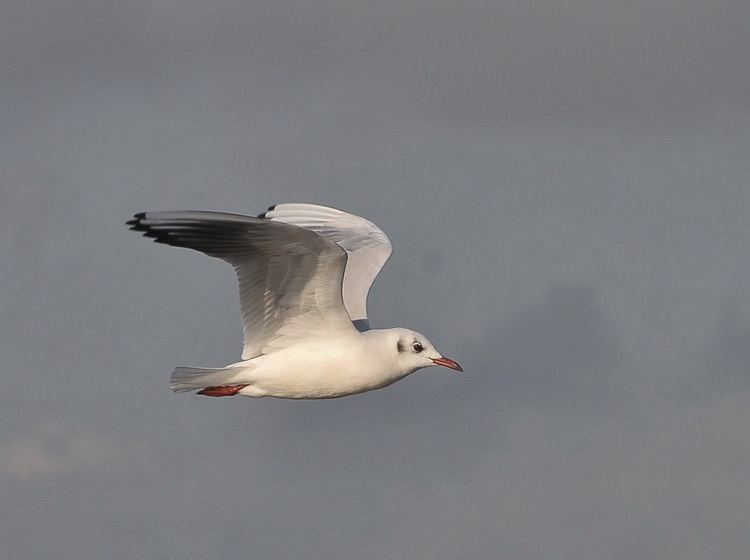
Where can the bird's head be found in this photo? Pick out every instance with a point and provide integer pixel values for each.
(413, 351)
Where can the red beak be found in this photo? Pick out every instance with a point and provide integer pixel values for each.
(447, 362)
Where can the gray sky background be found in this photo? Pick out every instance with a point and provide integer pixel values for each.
(566, 188)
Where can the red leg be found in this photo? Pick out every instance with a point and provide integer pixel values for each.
(221, 390)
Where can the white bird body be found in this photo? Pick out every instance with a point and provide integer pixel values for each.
(321, 369)
(304, 272)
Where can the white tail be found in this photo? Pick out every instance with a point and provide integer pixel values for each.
(186, 379)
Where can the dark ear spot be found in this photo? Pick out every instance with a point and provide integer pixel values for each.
(400, 347)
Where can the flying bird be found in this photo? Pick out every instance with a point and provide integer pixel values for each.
(304, 272)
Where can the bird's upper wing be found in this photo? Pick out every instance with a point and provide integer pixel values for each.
(290, 277)
(365, 243)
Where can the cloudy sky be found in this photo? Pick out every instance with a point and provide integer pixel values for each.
(566, 188)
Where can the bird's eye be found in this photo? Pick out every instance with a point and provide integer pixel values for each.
(417, 346)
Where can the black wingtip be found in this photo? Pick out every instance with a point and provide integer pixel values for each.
(135, 223)
(263, 215)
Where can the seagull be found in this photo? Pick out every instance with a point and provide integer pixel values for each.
(304, 272)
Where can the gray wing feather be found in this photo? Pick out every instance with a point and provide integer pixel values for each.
(285, 272)
(366, 244)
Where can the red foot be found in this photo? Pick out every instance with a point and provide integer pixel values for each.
(221, 390)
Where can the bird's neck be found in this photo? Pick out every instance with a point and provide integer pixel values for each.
(380, 348)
